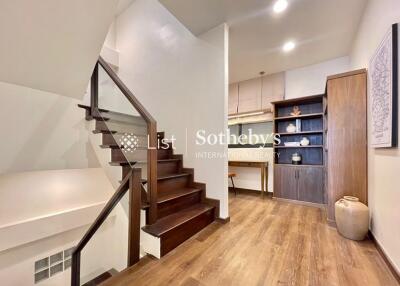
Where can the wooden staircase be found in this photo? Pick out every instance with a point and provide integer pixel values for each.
(182, 206)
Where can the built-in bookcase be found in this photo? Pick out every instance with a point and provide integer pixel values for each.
(311, 126)
(303, 182)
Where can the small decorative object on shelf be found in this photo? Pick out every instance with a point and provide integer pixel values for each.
(296, 159)
(291, 128)
(292, 144)
(298, 125)
(352, 218)
(304, 141)
(296, 111)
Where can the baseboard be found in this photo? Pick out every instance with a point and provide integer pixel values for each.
(308, 204)
(247, 191)
(382, 253)
(331, 223)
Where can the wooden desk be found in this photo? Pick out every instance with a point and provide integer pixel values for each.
(254, 164)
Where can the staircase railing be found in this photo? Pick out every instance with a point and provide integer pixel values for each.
(151, 130)
(132, 180)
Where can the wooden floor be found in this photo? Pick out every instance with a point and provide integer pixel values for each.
(266, 243)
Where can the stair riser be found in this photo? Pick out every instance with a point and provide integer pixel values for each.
(137, 155)
(178, 235)
(168, 168)
(178, 204)
(167, 185)
(121, 127)
(112, 139)
(108, 139)
(164, 154)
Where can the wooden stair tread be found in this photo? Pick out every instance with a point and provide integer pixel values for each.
(88, 108)
(168, 223)
(101, 278)
(104, 131)
(176, 194)
(122, 163)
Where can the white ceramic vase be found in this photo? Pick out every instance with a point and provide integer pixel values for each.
(352, 218)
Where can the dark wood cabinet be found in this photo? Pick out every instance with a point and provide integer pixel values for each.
(302, 183)
(285, 182)
(310, 184)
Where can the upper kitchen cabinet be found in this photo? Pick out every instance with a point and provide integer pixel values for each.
(249, 95)
(233, 100)
(256, 94)
(273, 89)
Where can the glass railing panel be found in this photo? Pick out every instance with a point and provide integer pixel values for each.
(107, 251)
(126, 126)
(111, 97)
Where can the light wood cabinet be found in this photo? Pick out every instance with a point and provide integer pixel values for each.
(249, 95)
(301, 183)
(347, 138)
(233, 99)
(256, 94)
(273, 89)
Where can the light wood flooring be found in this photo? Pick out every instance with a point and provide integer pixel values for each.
(266, 243)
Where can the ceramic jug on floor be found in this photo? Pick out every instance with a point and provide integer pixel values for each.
(352, 218)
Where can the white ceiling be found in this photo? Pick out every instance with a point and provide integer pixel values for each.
(52, 45)
(322, 29)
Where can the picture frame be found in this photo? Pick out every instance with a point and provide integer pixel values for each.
(383, 79)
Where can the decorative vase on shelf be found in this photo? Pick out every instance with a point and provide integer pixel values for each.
(291, 128)
(352, 218)
(296, 159)
(304, 141)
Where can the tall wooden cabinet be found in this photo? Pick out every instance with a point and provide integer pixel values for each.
(346, 138)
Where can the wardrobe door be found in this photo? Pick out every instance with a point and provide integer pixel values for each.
(347, 138)
(250, 95)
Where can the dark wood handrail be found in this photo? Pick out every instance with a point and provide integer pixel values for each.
(125, 90)
(130, 182)
(108, 208)
(151, 131)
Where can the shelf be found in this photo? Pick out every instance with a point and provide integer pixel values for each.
(302, 116)
(308, 146)
(302, 133)
(291, 165)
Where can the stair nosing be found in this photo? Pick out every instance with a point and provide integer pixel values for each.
(206, 209)
(192, 191)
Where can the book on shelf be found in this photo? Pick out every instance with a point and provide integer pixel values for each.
(298, 125)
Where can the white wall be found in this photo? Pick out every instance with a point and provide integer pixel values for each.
(43, 212)
(383, 164)
(42, 131)
(311, 80)
(181, 80)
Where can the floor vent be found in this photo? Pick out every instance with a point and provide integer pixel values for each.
(50, 266)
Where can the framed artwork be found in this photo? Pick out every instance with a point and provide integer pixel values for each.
(383, 79)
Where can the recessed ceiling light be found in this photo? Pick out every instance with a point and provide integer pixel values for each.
(280, 6)
(288, 46)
